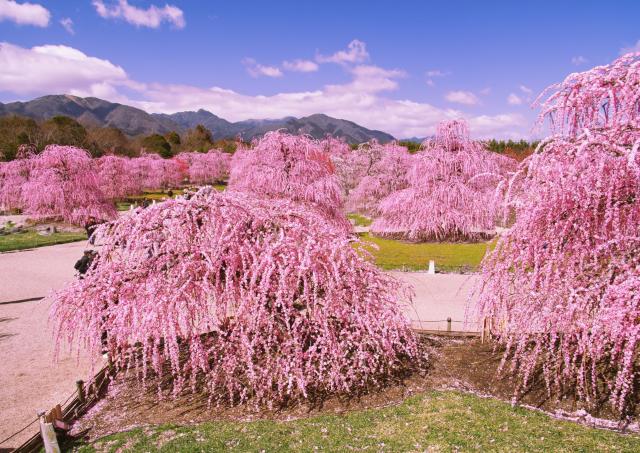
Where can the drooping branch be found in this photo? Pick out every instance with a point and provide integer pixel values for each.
(258, 299)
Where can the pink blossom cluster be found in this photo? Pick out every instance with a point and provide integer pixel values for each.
(563, 284)
(605, 96)
(380, 170)
(450, 193)
(452, 135)
(242, 297)
(154, 172)
(293, 167)
(62, 184)
(207, 168)
(334, 146)
(13, 175)
(117, 177)
(352, 166)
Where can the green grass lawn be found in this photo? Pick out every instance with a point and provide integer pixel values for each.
(436, 421)
(360, 220)
(31, 239)
(150, 195)
(124, 205)
(449, 256)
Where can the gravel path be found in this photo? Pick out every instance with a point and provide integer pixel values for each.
(29, 378)
(438, 297)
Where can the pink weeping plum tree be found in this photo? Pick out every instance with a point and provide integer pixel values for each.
(294, 167)
(563, 284)
(63, 184)
(382, 178)
(603, 97)
(335, 146)
(13, 175)
(173, 173)
(451, 191)
(207, 168)
(240, 297)
(353, 165)
(154, 172)
(148, 170)
(117, 177)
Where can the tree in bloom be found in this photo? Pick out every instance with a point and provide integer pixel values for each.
(13, 175)
(173, 173)
(382, 178)
(63, 184)
(283, 166)
(353, 165)
(241, 297)
(334, 146)
(117, 177)
(451, 190)
(207, 168)
(563, 284)
(148, 170)
(157, 173)
(603, 97)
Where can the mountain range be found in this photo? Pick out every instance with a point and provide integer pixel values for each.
(94, 112)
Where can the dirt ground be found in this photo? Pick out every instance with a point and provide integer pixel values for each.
(29, 378)
(455, 363)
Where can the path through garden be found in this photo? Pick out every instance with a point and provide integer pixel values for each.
(30, 379)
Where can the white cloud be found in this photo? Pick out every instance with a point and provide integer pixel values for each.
(151, 17)
(67, 24)
(356, 53)
(462, 97)
(505, 125)
(526, 89)
(436, 73)
(514, 99)
(68, 70)
(402, 118)
(370, 79)
(485, 91)
(300, 66)
(24, 13)
(633, 48)
(579, 60)
(432, 74)
(363, 99)
(255, 69)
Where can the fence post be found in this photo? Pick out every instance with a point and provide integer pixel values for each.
(48, 434)
(448, 324)
(80, 386)
(432, 267)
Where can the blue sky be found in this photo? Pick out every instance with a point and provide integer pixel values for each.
(396, 66)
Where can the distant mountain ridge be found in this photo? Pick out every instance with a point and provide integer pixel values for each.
(134, 121)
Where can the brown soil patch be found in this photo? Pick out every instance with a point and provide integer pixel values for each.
(455, 363)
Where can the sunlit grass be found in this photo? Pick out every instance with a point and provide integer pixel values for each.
(359, 220)
(448, 256)
(149, 195)
(31, 239)
(436, 421)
